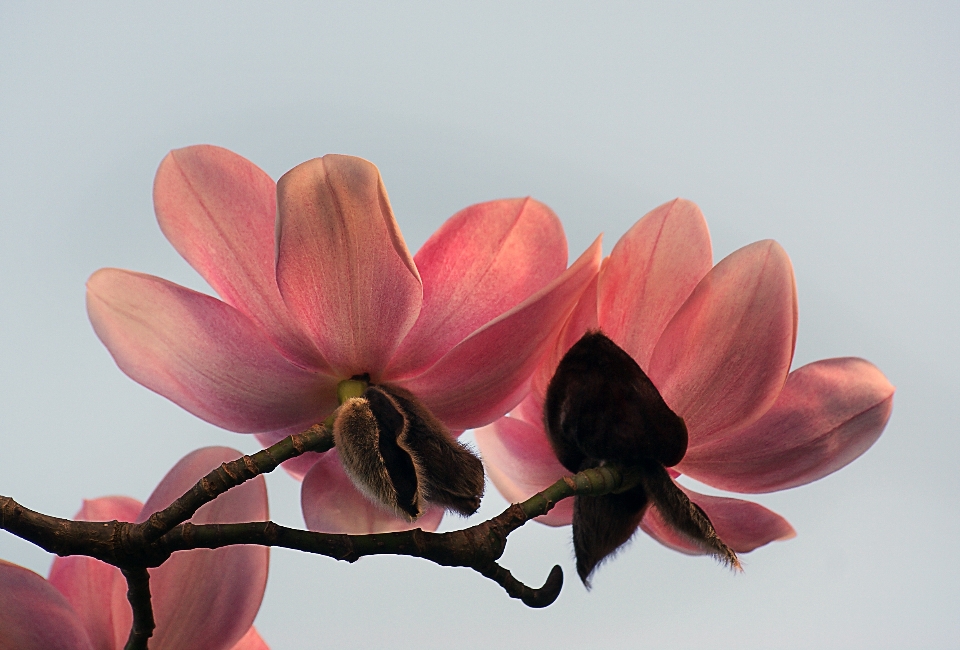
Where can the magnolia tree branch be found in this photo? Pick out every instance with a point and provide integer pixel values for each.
(135, 547)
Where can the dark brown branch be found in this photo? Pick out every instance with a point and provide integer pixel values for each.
(229, 475)
(138, 593)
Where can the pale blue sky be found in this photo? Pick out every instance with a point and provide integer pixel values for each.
(831, 127)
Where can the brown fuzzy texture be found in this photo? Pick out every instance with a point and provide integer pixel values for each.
(400, 455)
(603, 524)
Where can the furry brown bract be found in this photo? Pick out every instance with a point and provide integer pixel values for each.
(401, 456)
(601, 408)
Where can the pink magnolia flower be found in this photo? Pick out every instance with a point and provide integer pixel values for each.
(718, 344)
(202, 599)
(318, 286)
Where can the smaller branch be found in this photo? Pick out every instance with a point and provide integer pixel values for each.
(138, 593)
(535, 598)
(317, 438)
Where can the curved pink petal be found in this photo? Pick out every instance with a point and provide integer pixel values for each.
(219, 211)
(342, 265)
(34, 615)
(251, 641)
(331, 504)
(96, 590)
(829, 413)
(207, 599)
(651, 271)
(583, 318)
(486, 375)
(724, 357)
(520, 463)
(742, 525)
(202, 354)
(483, 261)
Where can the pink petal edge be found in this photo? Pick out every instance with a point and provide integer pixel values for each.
(34, 615)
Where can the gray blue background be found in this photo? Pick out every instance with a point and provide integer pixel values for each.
(831, 127)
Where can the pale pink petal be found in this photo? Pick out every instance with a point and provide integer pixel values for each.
(342, 265)
(483, 261)
(651, 271)
(486, 375)
(331, 504)
(94, 589)
(742, 525)
(34, 615)
(583, 318)
(251, 641)
(219, 211)
(829, 413)
(202, 354)
(530, 410)
(724, 357)
(520, 463)
(207, 599)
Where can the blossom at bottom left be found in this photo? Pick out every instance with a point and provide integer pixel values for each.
(202, 599)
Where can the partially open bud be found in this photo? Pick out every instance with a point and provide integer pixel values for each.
(400, 455)
(601, 408)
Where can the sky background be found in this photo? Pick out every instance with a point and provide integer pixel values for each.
(833, 128)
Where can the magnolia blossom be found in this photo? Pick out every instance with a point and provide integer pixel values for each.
(317, 287)
(718, 344)
(202, 599)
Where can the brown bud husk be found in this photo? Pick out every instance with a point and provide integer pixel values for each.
(602, 408)
(400, 455)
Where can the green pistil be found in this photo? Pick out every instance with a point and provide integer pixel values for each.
(350, 388)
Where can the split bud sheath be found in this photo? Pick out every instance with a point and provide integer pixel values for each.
(401, 456)
(601, 408)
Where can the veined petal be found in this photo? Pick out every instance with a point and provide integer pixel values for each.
(724, 357)
(251, 641)
(651, 271)
(34, 615)
(95, 590)
(219, 211)
(202, 354)
(485, 375)
(207, 599)
(483, 261)
(829, 413)
(342, 265)
(520, 463)
(742, 525)
(331, 504)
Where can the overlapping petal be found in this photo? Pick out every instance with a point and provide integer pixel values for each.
(723, 358)
(207, 599)
(520, 463)
(202, 354)
(486, 374)
(743, 525)
(829, 413)
(483, 261)
(331, 504)
(343, 268)
(651, 271)
(219, 211)
(35, 616)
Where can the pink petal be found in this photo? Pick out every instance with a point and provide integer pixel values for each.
(651, 271)
(207, 599)
(724, 357)
(583, 318)
(331, 504)
(829, 413)
(483, 261)
(96, 590)
(486, 375)
(520, 463)
(34, 615)
(251, 641)
(342, 265)
(219, 211)
(742, 525)
(202, 354)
